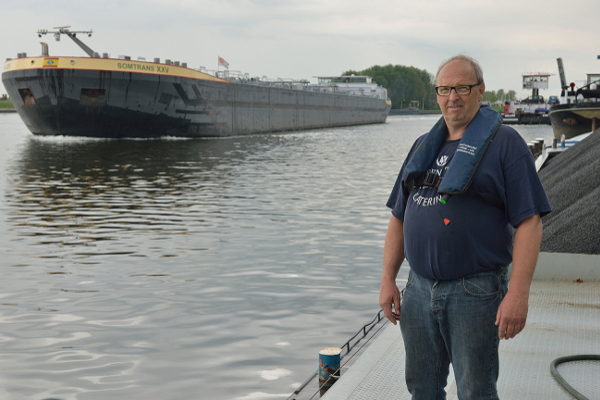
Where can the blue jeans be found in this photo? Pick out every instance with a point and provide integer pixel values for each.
(445, 322)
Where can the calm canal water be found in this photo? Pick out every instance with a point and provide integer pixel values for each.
(198, 269)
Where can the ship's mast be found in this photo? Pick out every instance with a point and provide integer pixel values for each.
(63, 30)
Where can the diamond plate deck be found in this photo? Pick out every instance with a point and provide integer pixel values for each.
(564, 319)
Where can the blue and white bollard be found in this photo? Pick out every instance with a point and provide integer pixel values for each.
(329, 365)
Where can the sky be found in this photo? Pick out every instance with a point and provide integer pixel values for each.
(301, 39)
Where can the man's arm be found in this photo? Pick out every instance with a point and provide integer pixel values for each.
(512, 312)
(393, 255)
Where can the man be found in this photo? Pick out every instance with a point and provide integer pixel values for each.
(457, 304)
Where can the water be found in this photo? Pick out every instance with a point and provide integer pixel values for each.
(200, 269)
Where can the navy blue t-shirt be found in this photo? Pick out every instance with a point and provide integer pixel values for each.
(469, 235)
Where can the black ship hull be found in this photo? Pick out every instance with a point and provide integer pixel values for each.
(574, 119)
(99, 100)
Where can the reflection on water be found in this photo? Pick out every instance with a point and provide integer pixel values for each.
(79, 193)
(173, 269)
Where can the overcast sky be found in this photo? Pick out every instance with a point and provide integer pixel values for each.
(300, 39)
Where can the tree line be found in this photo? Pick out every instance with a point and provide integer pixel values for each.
(410, 86)
(404, 84)
(500, 95)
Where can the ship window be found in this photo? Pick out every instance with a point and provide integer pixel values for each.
(593, 78)
(27, 96)
(92, 97)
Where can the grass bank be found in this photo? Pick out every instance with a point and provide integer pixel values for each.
(6, 104)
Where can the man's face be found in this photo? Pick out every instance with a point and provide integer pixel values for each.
(458, 111)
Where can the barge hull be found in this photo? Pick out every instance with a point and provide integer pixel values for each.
(574, 119)
(111, 103)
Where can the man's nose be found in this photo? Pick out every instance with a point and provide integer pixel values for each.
(453, 94)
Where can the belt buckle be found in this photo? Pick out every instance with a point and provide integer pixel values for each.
(431, 179)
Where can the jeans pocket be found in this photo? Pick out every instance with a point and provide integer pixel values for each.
(484, 284)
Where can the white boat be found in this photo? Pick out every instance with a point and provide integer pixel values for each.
(533, 109)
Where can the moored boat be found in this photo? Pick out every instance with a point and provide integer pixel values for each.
(99, 96)
(531, 110)
(578, 111)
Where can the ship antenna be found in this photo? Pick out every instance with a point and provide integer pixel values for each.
(64, 30)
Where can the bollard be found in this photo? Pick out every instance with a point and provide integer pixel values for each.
(534, 147)
(541, 144)
(329, 364)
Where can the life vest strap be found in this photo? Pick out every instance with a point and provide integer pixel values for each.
(432, 179)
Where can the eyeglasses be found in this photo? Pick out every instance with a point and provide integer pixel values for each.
(461, 90)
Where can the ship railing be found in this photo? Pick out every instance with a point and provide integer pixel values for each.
(285, 83)
(350, 91)
(235, 76)
(240, 77)
(588, 93)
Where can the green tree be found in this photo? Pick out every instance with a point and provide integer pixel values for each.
(403, 84)
(492, 97)
(501, 94)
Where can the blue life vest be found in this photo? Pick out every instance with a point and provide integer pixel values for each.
(461, 170)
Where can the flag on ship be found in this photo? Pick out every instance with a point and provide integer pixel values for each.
(223, 62)
(50, 62)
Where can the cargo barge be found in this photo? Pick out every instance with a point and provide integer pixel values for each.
(99, 96)
(578, 111)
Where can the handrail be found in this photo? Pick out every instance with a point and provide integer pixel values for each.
(347, 346)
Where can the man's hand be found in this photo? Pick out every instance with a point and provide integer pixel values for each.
(389, 300)
(512, 314)
(393, 255)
